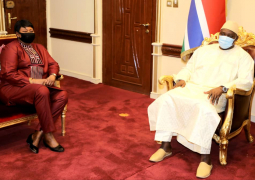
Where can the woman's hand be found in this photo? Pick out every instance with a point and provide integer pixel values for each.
(180, 83)
(214, 94)
(50, 80)
(39, 81)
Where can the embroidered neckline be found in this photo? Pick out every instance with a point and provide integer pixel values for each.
(24, 45)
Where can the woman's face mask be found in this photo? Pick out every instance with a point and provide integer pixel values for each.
(27, 37)
(225, 42)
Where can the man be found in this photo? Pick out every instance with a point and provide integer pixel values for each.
(190, 110)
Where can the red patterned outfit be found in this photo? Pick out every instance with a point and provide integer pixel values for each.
(20, 62)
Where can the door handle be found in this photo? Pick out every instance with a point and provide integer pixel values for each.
(10, 20)
(145, 25)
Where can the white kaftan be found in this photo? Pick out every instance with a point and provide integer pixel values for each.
(186, 111)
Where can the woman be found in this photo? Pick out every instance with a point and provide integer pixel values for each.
(28, 75)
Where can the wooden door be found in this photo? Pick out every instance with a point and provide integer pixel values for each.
(127, 49)
(32, 10)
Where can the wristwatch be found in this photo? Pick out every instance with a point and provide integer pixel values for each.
(178, 80)
(54, 74)
(224, 89)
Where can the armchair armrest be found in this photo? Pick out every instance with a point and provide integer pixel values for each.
(226, 127)
(245, 93)
(168, 80)
(234, 91)
(58, 79)
(231, 92)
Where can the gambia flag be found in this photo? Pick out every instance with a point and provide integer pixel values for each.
(206, 17)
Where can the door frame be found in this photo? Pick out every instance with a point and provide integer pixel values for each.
(104, 43)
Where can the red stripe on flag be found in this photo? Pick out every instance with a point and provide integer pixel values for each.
(215, 14)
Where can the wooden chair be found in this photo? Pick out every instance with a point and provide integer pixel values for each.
(11, 115)
(237, 115)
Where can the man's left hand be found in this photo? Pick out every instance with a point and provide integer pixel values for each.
(214, 94)
(50, 80)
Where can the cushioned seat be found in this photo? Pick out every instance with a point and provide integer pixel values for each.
(8, 113)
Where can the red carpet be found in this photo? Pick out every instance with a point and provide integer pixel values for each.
(102, 145)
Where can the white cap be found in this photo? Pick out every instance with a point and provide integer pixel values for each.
(232, 26)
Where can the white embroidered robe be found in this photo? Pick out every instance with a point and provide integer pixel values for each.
(187, 112)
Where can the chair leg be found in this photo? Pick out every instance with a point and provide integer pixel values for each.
(63, 121)
(29, 122)
(247, 128)
(223, 152)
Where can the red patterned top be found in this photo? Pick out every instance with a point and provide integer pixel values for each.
(36, 69)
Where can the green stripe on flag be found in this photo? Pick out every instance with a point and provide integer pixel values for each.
(183, 46)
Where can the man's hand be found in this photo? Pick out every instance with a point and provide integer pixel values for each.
(39, 81)
(180, 83)
(214, 94)
(50, 80)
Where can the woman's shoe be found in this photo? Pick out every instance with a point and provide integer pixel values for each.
(33, 148)
(59, 148)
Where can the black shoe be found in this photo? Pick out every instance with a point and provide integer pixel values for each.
(59, 148)
(33, 148)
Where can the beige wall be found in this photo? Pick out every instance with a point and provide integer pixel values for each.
(243, 13)
(172, 32)
(75, 58)
(174, 24)
(76, 15)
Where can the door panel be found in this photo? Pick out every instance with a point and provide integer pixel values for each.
(32, 10)
(127, 45)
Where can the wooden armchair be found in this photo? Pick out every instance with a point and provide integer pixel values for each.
(11, 115)
(238, 110)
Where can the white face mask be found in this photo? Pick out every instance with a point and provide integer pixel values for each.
(226, 42)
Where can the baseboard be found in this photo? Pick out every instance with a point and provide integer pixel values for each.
(96, 81)
(80, 76)
(253, 118)
(154, 95)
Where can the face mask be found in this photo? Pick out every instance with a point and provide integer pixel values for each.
(27, 37)
(225, 42)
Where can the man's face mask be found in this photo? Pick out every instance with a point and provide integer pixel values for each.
(27, 37)
(225, 42)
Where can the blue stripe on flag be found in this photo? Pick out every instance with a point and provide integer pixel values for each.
(195, 34)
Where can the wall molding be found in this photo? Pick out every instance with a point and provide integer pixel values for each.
(154, 95)
(71, 35)
(79, 75)
(171, 50)
(252, 118)
(75, 74)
